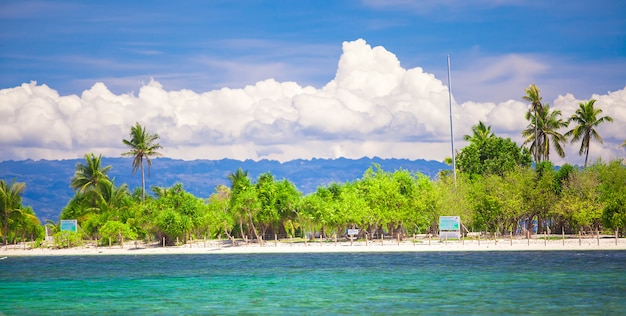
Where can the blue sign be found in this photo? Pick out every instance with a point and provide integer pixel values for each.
(70, 224)
(449, 227)
(449, 223)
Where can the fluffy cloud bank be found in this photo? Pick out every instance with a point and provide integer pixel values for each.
(373, 107)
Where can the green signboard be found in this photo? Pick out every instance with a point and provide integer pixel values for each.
(70, 224)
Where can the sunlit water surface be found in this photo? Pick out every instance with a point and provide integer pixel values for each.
(563, 282)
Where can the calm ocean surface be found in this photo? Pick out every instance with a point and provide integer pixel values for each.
(567, 282)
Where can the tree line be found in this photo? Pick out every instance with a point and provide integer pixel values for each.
(501, 187)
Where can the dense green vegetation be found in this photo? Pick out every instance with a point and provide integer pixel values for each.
(498, 189)
(18, 222)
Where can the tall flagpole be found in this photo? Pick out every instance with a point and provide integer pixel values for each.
(451, 130)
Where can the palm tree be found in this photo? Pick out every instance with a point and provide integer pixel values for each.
(112, 200)
(480, 133)
(531, 136)
(163, 192)
(88, 177)
(532, 96)
(11, 205)
(587, 118)
(142, 145)
(552, 122)
(546, 129)
(239, 181)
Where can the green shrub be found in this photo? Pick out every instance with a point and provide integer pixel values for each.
(116, 231)
(66, 238)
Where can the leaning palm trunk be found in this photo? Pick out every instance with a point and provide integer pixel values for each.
(232, 239)
(243, 235)
(256, 233)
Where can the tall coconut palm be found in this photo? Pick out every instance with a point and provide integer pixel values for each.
(143, 145)
(531, 135)
(89, 176)
(539, 135)
(11, 206)
(587, 118)
(480, 132)
(532, 96)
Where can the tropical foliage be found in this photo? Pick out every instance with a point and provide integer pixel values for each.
(545, 131)
(89, 176)
(587, 118)
(493, 155)
(379, 203)
(480, 133)
(18, 221)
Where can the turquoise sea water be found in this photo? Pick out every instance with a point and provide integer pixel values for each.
(497, 283)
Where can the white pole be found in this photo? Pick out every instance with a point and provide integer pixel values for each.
(451, 130)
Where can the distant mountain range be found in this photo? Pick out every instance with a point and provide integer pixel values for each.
(48, 181)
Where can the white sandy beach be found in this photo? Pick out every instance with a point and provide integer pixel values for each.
(421, 245)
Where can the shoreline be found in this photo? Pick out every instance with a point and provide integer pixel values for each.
(434, 245)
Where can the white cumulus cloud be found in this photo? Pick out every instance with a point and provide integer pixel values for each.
(372, 107)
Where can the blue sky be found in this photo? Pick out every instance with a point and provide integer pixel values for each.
(497, 47)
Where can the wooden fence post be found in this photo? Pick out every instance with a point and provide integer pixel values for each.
(580, 241)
